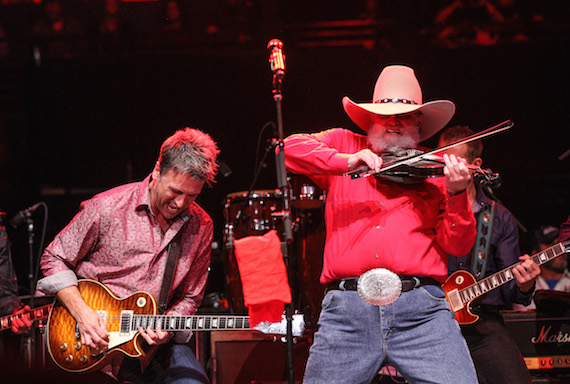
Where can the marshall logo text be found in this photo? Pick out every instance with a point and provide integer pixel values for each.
(544, 337)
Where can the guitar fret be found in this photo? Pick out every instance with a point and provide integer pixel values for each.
(477, 289)
(502, 278)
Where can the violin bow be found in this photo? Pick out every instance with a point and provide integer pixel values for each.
(365, 172)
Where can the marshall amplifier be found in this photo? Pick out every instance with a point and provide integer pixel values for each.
(543, 339)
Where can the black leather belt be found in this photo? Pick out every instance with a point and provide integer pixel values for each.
(408, 283)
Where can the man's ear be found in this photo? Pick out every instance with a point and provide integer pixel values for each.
(156, 171)
(477, 162)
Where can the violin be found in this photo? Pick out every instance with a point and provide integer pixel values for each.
(426, 167)
(413, 165)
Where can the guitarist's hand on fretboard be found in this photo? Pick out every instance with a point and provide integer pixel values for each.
(21, 324)
(156, 337)
(526, 273)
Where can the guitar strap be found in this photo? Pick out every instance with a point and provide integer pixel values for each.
(480, 252)
(171, 260)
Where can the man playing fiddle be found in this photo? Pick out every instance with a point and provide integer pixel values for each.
(495, 354)
(401, 233)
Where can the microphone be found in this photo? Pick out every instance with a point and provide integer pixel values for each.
(224, 168)
(276, 62)
(20, 217)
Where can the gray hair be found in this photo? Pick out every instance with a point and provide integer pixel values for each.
(192, 152)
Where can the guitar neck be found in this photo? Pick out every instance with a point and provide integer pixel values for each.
(504, 276)
(32, 315)
(185, 323)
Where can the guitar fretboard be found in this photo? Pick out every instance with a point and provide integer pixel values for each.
(130, 322)
(494, 281)
(33, 314)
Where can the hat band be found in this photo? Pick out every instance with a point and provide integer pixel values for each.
(394, 100)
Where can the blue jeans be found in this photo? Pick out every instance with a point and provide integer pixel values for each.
(172, 364)
(416, 334)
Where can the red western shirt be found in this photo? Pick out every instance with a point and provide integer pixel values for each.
(408, 229)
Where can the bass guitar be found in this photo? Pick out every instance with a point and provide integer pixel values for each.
(461, 288)
(123, 317)
(40, 313)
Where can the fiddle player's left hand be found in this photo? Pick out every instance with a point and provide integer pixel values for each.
(457, 175)
(526, 273)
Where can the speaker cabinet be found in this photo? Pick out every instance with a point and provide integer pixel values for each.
(246, 357)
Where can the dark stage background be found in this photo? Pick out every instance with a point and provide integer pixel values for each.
(77, 124)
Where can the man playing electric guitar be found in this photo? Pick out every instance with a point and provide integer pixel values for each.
(496, 356)
(121, 238)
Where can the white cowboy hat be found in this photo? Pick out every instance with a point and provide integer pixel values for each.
(397, 91)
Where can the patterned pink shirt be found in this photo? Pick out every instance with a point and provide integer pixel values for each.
(116, 240)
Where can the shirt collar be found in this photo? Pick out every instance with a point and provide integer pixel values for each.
(481, 200)
(143, 198)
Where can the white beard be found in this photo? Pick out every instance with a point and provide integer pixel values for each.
(388, 142)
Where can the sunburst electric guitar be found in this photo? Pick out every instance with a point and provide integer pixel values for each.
(40, 313)
(461, 288)
(122, 318)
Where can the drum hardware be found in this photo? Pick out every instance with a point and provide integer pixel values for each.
(306, 195)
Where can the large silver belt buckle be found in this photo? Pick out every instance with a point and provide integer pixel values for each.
(379, 286)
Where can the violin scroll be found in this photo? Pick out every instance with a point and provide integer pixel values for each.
(487, 177)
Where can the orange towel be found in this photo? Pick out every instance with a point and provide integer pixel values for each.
(263, 276)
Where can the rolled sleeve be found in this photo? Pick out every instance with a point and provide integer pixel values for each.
(52, 284)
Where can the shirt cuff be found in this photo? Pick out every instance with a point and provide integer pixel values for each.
(524, 298)
(53, 284)
(182, 337)
(457, 203)
(340, 162)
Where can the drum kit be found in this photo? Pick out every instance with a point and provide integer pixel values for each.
(256, 215)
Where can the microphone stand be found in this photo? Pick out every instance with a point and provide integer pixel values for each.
(285, 214)
(30, 338)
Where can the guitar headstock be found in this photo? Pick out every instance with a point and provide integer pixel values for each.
(298, 326)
